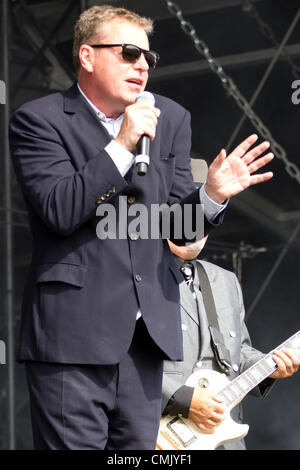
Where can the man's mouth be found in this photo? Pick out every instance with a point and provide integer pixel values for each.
(135, 81)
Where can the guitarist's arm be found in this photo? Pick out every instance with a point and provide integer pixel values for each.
(201, 406)
(180, 402)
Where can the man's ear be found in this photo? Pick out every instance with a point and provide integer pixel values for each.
(87, 57)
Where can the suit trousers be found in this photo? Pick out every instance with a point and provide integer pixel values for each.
(100, 407)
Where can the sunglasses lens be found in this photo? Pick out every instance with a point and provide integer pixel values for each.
(151, 59)
(132, 54)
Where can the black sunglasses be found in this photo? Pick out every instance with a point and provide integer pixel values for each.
(132, 53)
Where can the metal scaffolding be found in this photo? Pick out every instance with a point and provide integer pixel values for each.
(9, 312)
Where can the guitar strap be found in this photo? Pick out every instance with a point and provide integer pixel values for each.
(221, 353)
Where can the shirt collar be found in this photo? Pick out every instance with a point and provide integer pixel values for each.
(181, 263)
(99, 113)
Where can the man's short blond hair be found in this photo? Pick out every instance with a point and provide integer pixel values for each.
(91, 22)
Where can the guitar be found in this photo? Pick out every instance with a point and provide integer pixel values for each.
(179, 433)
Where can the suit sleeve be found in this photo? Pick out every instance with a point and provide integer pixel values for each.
(63, 196)
(180, 402)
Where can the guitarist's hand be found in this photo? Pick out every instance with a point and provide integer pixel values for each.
(206, 410)
(288, 361)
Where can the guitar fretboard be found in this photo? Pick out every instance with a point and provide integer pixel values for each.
(241, 385)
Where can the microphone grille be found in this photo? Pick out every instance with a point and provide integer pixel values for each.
(146, 95)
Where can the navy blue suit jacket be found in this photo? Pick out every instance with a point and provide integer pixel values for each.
(82, 293)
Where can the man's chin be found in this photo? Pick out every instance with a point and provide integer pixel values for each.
(125, 101)
(131, 98)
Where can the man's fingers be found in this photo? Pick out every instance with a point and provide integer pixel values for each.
(140, 118)
(281, 363)
(206, 429)
(242, 148)
(287, 359)
(294, 355)
(256, 179)
(146, 107)
(217, 417)
(257, 164)
(206, 409)
(209, 425)
(222, 155)
(218, 408)
(149, 128)
(255, 152)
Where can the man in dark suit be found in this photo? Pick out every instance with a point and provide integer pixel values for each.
(203, 406)
(92, 337)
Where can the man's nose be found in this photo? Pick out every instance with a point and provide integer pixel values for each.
(141, 63)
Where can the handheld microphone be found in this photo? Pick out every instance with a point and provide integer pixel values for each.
(142, 158)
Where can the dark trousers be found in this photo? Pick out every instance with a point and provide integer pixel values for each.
(112, 407)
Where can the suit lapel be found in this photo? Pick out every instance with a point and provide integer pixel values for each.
(85, 118)
(187, 302)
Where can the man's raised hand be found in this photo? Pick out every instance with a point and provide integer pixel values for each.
(230, 175)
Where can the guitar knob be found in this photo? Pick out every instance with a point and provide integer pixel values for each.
(203, 382)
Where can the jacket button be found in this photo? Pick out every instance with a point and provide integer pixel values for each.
(101, 116)
(101, 199)
(232, 333)
(235, 367)
(138, 278)
(131, 199)
(134, 236)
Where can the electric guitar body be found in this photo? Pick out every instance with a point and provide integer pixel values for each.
(178, 433)
(181, 433)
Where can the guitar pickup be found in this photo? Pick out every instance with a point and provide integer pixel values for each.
(181, 431)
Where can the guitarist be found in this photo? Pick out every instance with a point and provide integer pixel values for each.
(201, 405)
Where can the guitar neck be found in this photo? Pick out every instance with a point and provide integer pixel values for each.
(241, 385)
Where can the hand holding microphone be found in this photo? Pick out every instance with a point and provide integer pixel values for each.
(142, 158)
(139, 128)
